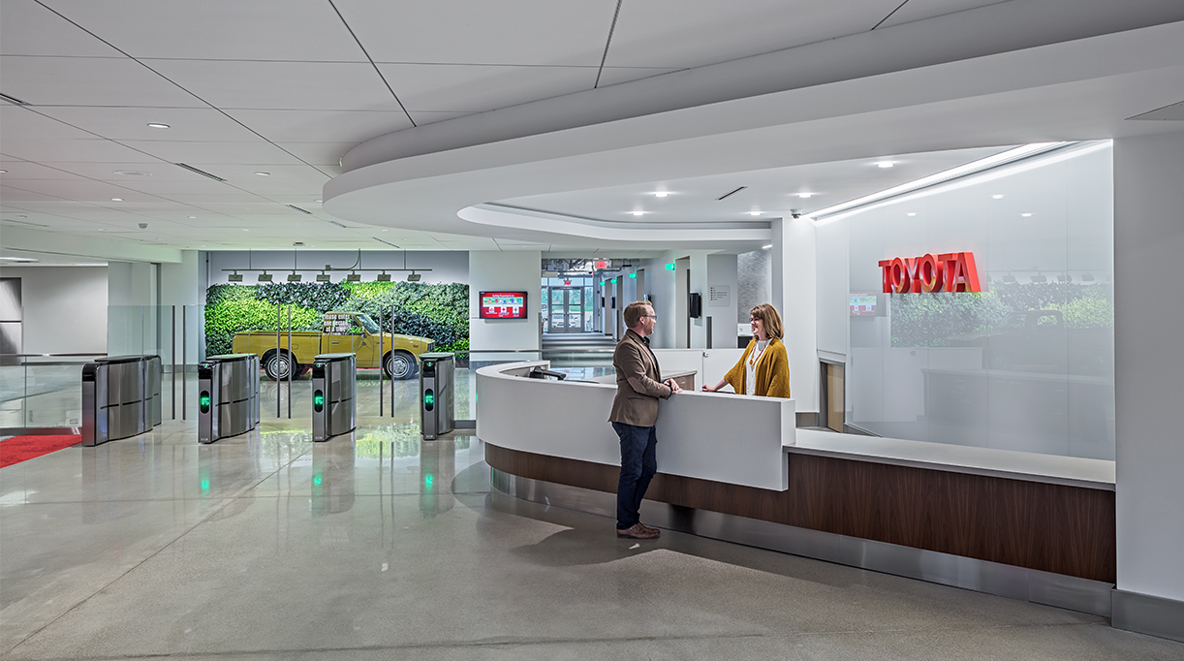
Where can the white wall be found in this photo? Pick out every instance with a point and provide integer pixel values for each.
(502, 271)
(65, 308)
(833, 288)
(1149, 366)
(132, 297)
(795, 295)
(660, 287)
(721, 273)
(183, 284)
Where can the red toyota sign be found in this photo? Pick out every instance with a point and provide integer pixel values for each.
(949, 272)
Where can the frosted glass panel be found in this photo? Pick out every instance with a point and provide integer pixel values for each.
(1027, 363)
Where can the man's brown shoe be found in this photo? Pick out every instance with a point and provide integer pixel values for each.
(650, 528)
(638, 531)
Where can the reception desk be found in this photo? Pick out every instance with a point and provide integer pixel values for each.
(732, 467)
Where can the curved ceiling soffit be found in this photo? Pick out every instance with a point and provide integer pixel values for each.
(429, 190)
(983, 31)
(528, 220)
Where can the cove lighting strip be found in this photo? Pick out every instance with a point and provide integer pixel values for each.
(974, 167)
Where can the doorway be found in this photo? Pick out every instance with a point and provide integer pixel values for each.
(833, 389)
(569, 310)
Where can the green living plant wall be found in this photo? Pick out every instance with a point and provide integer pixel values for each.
(440, 312)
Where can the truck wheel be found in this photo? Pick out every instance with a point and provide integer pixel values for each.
(400, 365)
(276, 364)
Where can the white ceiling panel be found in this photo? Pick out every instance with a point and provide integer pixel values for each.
(616, 75)
(522, 32)
(478, 88)
(422, 117)
(320, 125)
(244, 175)
(12, 195)
(689, 33)
(215, 153)
(86, 190)
(185, 124)
(156, 170)
(167, 187)
(27, 28)
(21, 123)
(217, 29)
(73, 81)
(320, 153)
(281, 85)
(221, 202)
(73, 151)
(21, 170)
(916, 10)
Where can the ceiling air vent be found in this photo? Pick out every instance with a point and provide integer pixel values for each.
(386, 242)
(201, 172)
(293, 206)
(725, 195)
(13, 100)
(334, 222)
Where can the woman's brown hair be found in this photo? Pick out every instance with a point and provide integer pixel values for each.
(768, 314)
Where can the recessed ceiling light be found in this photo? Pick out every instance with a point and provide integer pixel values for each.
(766, 247)
(912, 213)
(637, 213)
(263, 174)
(661, 193)
(386, 230)
(246, 230)
(3, 171)
(132, 173)
(1026, 215)
(117, 199)
(155, 125)
(21, 216)
(192, 217)
(805, 196)
(885, 164)
(318, 200)
(754, 213)
(996, 197)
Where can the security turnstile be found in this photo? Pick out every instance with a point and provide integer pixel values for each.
(334, 386)
(436, 393)
(227, 396)
(120, 398)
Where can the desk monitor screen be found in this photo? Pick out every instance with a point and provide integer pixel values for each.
(503, 305)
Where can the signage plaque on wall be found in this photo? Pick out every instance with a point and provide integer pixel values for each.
(948, 272)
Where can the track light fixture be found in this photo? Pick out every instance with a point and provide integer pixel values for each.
(322, 277)
(265, 277)
(235, 277)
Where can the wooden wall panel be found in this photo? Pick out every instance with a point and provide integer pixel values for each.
(1059, 529)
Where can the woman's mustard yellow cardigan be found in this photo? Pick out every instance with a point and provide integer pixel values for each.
(772, 371)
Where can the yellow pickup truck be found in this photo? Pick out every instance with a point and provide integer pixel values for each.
(341, 332)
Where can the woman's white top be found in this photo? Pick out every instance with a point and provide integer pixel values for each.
(750, 366)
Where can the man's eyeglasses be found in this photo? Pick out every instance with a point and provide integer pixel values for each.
(651, 316)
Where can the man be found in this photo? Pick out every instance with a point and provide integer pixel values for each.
(634, 413)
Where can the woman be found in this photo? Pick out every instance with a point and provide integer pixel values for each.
(763, 370)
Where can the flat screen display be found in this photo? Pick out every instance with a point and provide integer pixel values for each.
(503, 304)
(863, 305)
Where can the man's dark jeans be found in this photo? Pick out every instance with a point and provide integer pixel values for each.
(638, 465)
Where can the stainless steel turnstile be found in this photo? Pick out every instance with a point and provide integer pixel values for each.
(227, 396)
(436, 393)
(120, 398)
(334, 384)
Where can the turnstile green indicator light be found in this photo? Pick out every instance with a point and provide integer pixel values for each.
(632, 276)
(427, 481)
(614, 281)
(205, 485)
(316, 479)
(318, 401)
(204, 402)
(670, 267)
(429, 399)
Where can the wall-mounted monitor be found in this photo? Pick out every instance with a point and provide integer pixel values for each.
(503, 305)
(863, 304)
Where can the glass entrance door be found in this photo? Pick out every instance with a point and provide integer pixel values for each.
(566, 313)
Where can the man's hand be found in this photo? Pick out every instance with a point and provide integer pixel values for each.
(673, 386)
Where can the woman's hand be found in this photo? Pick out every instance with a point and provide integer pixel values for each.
(707, 388)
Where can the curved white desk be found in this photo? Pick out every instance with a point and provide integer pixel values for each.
(734, 439)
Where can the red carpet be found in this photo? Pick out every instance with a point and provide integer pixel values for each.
(23, 448)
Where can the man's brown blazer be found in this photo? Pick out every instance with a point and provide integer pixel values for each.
(639, 383)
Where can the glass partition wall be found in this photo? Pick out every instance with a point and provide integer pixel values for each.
(1026, 363)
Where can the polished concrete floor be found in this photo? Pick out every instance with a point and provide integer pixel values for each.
(378, 546)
